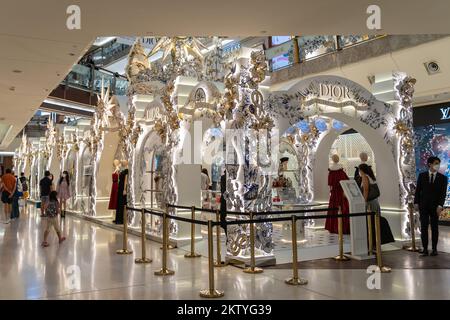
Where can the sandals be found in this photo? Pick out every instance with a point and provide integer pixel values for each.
(44, 244)
(62, 239)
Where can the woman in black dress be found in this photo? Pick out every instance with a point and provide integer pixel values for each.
(121, 196)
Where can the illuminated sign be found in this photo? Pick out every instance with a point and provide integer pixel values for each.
(445, 113)
(334, 91)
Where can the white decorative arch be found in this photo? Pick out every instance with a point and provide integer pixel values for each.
(342, 99)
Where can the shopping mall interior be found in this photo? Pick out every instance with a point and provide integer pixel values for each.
(214, 166)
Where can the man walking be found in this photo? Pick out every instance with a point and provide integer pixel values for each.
(8, 190)
(429, 199)
(46, 186)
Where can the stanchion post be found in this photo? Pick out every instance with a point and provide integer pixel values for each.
(192, 254)
(295, 280)
(124, 249)
(212, 292)
(412, 226)
(252, 268)
(168, 246)
(164, 271)
(382, 268)
(341, 256)
(143, 259)
(369, 234)
(219, 263)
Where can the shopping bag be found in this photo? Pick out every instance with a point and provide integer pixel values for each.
(38, 205)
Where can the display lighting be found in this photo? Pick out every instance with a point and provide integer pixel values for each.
(337, 125)
(321, 124)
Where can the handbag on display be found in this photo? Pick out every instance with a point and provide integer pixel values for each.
(374, 192)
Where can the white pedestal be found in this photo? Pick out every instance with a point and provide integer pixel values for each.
(358, 225)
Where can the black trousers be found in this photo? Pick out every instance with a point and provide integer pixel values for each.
(427, 217)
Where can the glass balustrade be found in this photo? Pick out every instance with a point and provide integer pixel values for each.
(90, 78)
(312, 47)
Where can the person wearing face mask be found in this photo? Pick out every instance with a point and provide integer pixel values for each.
(63, 190)
(429, 199)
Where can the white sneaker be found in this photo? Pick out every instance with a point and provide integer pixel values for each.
(7, 221)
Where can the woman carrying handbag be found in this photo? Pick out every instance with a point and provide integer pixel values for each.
(371, 193)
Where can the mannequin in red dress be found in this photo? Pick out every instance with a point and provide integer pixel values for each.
(115, 186)
(337, 200)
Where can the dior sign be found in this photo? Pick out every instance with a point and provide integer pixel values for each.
(445, 113)
(334, 91)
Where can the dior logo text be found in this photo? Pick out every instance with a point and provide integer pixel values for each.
(334, 91)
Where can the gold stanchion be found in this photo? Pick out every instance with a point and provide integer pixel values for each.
(164, 271)
(252, 268)
(211, 292)
(295, 280)
(341, 256)
(369, 234)
(143, 259)
(125, 234)
(412, 226)
(382, 268)
(218, 263)
(168, 246)
(192, 254)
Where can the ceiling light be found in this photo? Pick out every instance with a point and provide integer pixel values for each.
(71, 54)
(12, 88)
(264, 32)
(17, 71)
(100, 41)
(68, 104)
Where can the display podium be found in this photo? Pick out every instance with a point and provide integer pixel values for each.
(358, 225)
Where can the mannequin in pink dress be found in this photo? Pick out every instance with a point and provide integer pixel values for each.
(115, 186)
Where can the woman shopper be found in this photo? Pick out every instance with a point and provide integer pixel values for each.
(51, 212)
(371, 194)
(63, 190)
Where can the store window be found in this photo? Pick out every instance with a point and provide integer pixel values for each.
(284, 59)
(432, 138)
(276, 40)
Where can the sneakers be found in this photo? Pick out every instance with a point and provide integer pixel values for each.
(7, 221)
(423, 253)
(433, 253)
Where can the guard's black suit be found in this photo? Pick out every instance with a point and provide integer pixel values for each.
(429, 195)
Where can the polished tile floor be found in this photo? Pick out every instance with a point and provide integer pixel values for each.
(28, 271)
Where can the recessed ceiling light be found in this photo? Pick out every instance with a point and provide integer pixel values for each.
(71, 54)
(12, 88)
(2, 118)
(264, 32)
(17, 71)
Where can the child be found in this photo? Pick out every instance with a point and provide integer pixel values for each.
(51, 212)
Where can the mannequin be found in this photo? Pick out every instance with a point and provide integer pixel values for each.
(336, 173)
(115, 186)
(122, 192)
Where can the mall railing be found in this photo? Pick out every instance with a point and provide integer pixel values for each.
(212, 292)
(305, 48)
(91, 77)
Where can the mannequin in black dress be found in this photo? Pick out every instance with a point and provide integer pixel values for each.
(122, 192)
